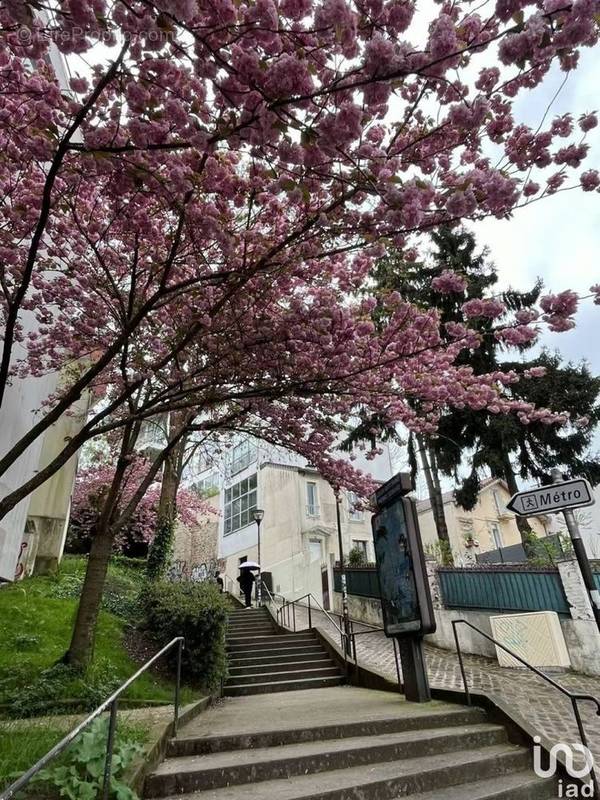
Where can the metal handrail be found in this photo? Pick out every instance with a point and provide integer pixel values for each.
(347, 638)
(274, 595)
(112, 703)
(574, 697)
(319, 606)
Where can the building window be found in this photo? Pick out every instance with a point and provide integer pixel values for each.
(242, 455)
(500, 507)
(315, 549)
(496, 535)
(312, 499)
(209, 484)
(240, 504)
(354, 515)
(360, 544)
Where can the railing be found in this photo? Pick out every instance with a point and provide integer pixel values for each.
(112, 704)
(574, 697)
(345, 628)
(360, 581)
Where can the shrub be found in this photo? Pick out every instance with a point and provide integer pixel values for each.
(356, 558)
(81, 775)
(197, 611)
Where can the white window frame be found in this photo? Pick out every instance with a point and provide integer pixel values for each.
(500, 506)
(353, 514)
(239, 504)
(363, 545)
(242, 455)
(312, 505)
(494, 529)
(320, 543)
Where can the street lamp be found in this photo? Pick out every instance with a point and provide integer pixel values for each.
(258, 518)
(345, 613)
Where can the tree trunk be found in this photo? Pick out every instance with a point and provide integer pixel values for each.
(511, 482)
(437, 504)
(81, 649)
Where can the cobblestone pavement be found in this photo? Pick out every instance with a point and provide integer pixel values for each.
(546, 710)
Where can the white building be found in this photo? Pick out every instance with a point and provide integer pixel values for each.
(299, 539)
(36, 528)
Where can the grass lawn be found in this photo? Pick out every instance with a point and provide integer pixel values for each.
(36, 620)
(23, 742)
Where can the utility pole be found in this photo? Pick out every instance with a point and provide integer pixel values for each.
(258, 518)
(580, 554)
(345, 614)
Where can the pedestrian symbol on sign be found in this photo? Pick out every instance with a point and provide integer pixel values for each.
(531, 503)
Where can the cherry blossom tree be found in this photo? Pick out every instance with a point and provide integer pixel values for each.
(219, 148)
(135, 537)
(188, 222)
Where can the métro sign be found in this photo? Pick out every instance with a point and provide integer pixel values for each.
(405, 598)
(555, 497)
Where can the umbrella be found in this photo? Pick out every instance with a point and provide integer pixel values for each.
(249, 565)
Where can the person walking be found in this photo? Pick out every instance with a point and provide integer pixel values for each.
(246, 581)
(219, 581)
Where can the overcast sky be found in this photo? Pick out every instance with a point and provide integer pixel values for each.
(558, 238)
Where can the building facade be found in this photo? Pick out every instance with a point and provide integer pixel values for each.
(488, 526)
(298, 535)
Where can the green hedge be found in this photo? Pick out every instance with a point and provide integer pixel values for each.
(197, 611)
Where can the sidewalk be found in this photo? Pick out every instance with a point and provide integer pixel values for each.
(548, 712)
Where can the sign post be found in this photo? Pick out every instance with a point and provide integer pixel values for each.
(563, 496)
(405, 598)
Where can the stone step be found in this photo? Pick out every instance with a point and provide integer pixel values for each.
(197, 745)
(284, 666)
(254, 627)
(249, 636)
(380, 780)
(246, 613)
(302, 673)
(283, 638)
(518, 786)
(282, 686)
(279, 652)
(268, 643)
(251, 657)
(244, 766)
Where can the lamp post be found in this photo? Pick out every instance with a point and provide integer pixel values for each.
(258, 518)
(345, 613)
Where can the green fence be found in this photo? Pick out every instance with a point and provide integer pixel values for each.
(503, 589)
(362, 582)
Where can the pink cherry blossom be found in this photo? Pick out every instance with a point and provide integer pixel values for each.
(482, 307)
(590, 180)
(588, 121)
(559, 310)
(193, 225)
(449, 282)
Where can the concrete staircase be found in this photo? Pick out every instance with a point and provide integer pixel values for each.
(383, 748)
(263, 661)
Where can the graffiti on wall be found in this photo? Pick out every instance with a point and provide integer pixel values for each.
(20, 570)
(197, 573)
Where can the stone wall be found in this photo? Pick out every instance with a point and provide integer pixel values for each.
(579, 630)
(195, 551)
